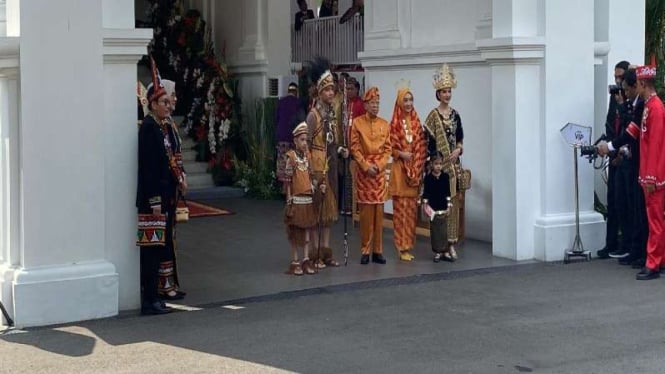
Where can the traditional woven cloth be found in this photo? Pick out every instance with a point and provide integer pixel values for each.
(405, 210)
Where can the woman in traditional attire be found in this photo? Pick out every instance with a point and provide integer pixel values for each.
(409, 151)
(445, 133)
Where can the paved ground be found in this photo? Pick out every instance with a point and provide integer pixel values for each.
(480, 315)
(245, 255)
(542, 318)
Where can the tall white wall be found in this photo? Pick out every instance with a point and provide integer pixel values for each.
(406, 39)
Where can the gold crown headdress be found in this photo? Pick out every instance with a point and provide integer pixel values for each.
(444, 78)
(403, 84)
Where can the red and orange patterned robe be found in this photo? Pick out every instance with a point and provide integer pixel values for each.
(406, 135)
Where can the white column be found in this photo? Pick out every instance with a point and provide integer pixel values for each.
(9, 168)
(123, 47)
(568, 97)
(382, 25)
(3, 17)
(515, 55)
(251, 65)
(63, 274)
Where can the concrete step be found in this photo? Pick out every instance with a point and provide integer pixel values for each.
(199, 180)
(188, 155)
(196, 167)
(188, 143)
(178, 119)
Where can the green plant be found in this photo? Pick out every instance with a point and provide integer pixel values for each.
(256, 174)
(654, 26)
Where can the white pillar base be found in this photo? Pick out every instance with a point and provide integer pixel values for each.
(554, 234)
(62, 294)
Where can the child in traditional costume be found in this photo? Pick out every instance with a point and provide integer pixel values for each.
(300, 216)
(436, 205)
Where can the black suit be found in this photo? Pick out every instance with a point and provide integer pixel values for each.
(628, 193)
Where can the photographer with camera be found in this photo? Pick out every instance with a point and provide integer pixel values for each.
(612, 129)
(633, 219)
(651, 135)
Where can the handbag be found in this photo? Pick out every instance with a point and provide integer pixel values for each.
(464, 178)
(182, 213)
(151, 230)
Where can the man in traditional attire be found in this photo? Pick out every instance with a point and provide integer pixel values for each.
(652, 169)
(370, 147)
(158, 180)
(409, 151)
(325, 150)
(445, 133)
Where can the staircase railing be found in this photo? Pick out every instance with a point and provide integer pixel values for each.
(326, 37)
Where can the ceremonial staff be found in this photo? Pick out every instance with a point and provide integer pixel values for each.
(347, 117)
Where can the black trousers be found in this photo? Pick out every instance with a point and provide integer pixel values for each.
(150, 259)
(612, 233)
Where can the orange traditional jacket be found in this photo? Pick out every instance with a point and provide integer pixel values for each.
(298, 173)
(370, 145)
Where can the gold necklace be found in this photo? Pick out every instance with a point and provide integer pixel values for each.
(302, 163)
(407, 131)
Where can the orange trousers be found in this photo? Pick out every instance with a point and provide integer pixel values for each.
(371, 228)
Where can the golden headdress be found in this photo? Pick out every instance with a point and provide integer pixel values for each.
(444, 78)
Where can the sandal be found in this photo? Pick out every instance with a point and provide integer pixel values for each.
(437, 257)
(448, 257)
(319, 264)
(405, 256)
(331, 262)
(294, 269)
(307, 267)
(453, 252)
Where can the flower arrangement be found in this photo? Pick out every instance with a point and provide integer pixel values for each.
(184, 51)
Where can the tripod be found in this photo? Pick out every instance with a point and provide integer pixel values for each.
(10, 321)
(577, 249)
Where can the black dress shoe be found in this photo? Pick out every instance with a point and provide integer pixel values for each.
(154, 308)
(378, 258)
(181, 293)
(603, 253)
(628, 260)
(647, 274)
(364, 260)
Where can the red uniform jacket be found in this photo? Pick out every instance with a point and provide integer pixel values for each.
(652, 143)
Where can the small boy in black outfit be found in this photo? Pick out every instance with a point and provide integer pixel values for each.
(436, 204)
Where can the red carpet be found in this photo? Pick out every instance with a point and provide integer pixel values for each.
(202, 210)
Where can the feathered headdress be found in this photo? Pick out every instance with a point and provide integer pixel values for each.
(319, 72)
(157, 90)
